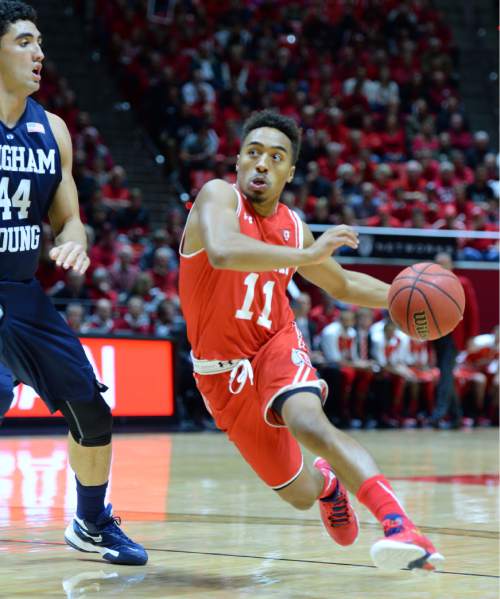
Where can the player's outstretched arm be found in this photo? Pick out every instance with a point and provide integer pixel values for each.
(228, 248)
(346, 285)
(64, 214)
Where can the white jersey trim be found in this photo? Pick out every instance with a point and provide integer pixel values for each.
(181, 245)
(240, 201)
(295, 476)
(320, 383)
(298, 228)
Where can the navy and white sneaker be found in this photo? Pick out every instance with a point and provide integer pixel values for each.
(105, 537)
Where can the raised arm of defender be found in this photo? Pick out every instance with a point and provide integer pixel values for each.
(214, 226)
(349, 286)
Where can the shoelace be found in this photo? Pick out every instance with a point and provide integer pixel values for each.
(340, 513)
(241, 372)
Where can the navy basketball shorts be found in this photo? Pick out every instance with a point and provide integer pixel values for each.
(40, 349)
(6, 389)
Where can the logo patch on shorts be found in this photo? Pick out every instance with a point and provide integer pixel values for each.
(299, 357)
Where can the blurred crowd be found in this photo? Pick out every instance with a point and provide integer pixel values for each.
(386, 142)
(379, 377)
(372, 83)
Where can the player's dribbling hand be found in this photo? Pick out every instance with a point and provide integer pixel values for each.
(330, 241)
(70, 255)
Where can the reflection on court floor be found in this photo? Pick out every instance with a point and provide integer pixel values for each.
(213, 530)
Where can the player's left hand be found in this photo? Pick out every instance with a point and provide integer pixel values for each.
(71, 255)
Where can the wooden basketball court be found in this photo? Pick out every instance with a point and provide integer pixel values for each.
(213, 530)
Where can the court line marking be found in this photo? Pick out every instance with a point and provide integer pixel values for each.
(179, 517)
(259, 557)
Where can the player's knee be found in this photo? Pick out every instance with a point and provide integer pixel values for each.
(301, 502)
(90, 423)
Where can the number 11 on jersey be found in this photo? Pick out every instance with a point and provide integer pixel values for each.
(244, 313)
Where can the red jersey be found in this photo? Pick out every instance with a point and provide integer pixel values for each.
(232, 314)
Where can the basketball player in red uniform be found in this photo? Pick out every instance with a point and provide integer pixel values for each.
(427, 376)
(477, 371)
(240, 249)
(339, 341)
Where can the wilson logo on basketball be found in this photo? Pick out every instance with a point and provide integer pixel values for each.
(421, 324)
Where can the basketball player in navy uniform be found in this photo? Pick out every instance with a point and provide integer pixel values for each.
(36, 345)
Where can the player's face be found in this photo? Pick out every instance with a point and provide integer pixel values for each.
(265, 165)
(21, 59)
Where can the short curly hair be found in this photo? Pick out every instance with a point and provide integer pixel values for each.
(12, 11)
(270, 118)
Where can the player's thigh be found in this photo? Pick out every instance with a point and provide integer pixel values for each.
(41, 351)
(271, 451)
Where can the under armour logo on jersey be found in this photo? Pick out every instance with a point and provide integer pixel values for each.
(9, 136)
(248, 218)
(35, 128)
(286, 234)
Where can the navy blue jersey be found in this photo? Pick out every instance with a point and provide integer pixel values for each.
(30, 172)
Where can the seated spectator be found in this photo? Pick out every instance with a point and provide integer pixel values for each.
(160, 238)
(199, 148)
(143, 288)
(70, 291)
(168, 320)
(347, 182)
(383, 182)
(479, 148)
(460, 138)
(101, 321)
(426, 139)
(74, 317)
(446, 182)
(103, 253)
(421, 401)
(366, 206)
(384, 90)
(393, 140)
(198, 89)
(135, 215)
(480, 191)
(101, 286)
(481, 356)
(463, 174)
(163, 277)
(134, 321)
(115, 193)
(123, 272)
(389, 347)
(339, 345)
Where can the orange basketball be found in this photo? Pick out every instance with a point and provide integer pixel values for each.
(426, 301)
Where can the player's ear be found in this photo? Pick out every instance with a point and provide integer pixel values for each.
(237, 162)
(291, 175)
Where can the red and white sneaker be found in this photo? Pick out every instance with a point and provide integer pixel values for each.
(404, 547)
(337, 514)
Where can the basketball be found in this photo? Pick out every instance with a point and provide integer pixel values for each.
(426, 301)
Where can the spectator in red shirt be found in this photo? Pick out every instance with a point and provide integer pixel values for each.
(463, 173)
(393, 140)
(459, 136)
(134, 321)
(103, 253)
(446, 182)
(115, 193)
(101, 321)
(426, 139)
(164, 279)
(384, 183)
(101, 286)
(124, 272)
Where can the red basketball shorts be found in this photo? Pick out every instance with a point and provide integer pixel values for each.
(245, 413)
